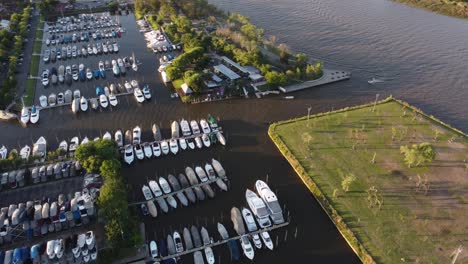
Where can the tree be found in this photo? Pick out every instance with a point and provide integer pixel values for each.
(110, 169)
(301, 60)
(92, 154)
(416, 155)
(284, 53)
(347, 181)
(274, 78)
(193, 80)
(48, 6)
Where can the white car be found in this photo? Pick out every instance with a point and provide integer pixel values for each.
(45, 77)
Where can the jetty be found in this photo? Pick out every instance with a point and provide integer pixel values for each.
(329, 76)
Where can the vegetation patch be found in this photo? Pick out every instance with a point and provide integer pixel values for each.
(392, 179)
(456, 8)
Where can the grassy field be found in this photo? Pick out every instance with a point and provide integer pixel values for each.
(34, 66)
(455, 8)
(411, 225)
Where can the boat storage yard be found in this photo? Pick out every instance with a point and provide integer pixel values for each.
(48, 212)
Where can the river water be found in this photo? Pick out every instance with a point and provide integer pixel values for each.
(421, 55)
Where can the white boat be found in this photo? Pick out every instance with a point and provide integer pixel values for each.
(249, 220)
(75, 105)
(164, 147)
(266, 240)
(128, 154)
(115, 69)
(34, 115)
(259, 208)
(221, 138)
(134, 83)
(40, 148)
(136, 135)
(147, 150)
(138, 95)
(85, 140)
(210, 171)
(103, 101)
(247, 247)
(198, 142)
(156, 132)
(116, 47)
(204, 126)
(184, 125)
(271, 201)
(171, 201)
(24, 115)
(52, 100)
(107, 136)
(74, 142)
(195, 127)
(201, 174)
(118, 138)
(89, 238)
(43, 100)
(152, 209)
(374, 81)
(63, 146)
(83, 104)
(221, 184)
(89, 74)
(206, 140)
(178, 242)
(222, 231)
(175, 129)
(25, 152)
(191, 143)
(106, 91)
(147, 192)
(146, 92)
(128, 87)
(162, 204)
(134, 64)
(113, 100)
(209, 255)
(174, 146)
(198, 257)
(153, 249)
(155, 188)
(156, 149)
(164, 185)
(183, 143)
(218, 168)
(289, 97)
(139, 152)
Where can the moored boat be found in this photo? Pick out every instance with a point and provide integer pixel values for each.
(164, 185)
(197, 242)
(156, 132)
(118, 138)
(188, 191)
(204, 126)
(174, 147)
(218, 168)
(258, 208)
(83, 104)
(221, 138)
(164, 147)
(25, 152)
(187, 239)
(147, 192)
(155, 188)
(128, 154)
(271, 201)
(34, 115)
(24, 115)
(206, 140)
(156, 149)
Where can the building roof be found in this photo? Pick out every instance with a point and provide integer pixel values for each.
(216, 78)
(186, 89)
(226, 72)
(5, 24)
(255, 77)
(234, 64)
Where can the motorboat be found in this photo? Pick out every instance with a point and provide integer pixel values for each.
(106, 91)
(204, 126)
(134, 64)
(89, 74)
(107, 136)
(103, 101)
(164, 147)
(222, 231)
(121, 65)
(178, 242)
(25, 152)
(139, 152)
(189, 193)
(210, 171)
(94, 103)
(34, 115)
(156, 149)
(209, 255)
(115, 47)
(102, 69)
(63, 146)
(147, 192)
(247, 247)
(3, 152)
(221, 184)
(43, 101)
(118, 138)
(74, 142)
(218, 168)
(128, 87)
(170, 245)
(136, 135)
(183, 143)
(251, 226)
(153, 249)
(52, 100)
(213, 124)
(258, 208)
(174, 146)
(75, 105)
(113, 100)
(138, 95)
(84, 141)
(375, 81)
(24, 115)
(155, 188)
(271, 201)
(40, 148)
(116, 69)
(175, 129)
(152, 209)
(45, 77)
(191, 143)
(198, 142)
(176, 187)
(187, 239)
(134, 83)
(197, 241)
(156, 132)
(236, 218)
(113, 89)
(128, 154)
(60, 98)
(201, 174)
(83, 104)
(147, 150)
(89, 238)
(198, 257)
(221, 138)
(166, 188)
(206, 140)
(162, 204)
(266, 240)
(195, 127)
(146, 92)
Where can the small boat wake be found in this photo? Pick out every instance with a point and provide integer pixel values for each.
(375, 81)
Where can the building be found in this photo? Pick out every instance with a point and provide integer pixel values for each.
(186, 89)
(5, 24)
(235, 66)
(228, 73)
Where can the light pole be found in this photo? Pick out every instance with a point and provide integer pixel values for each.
(375, 103)
(308, 114)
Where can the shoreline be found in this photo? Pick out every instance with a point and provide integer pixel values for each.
(446, 8)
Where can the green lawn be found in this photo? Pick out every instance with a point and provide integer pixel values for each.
(34, 66)
(410, 226)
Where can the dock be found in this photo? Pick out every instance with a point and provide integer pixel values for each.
(69, 103)
(329, 76)
(181, 190)
(218, 243)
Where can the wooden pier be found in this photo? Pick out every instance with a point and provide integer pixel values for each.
(69, 103)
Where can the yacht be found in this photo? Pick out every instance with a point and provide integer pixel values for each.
(146, 92)
(266, 240)
(183, 143)
(191, 143)
(251, 226)
(198, 142)
(247, 247)
(206, 140)
(258, 207)
(210, 171)
(113, 100)
(156, 149)
(184, 125)
(201, 174)
(178, 242)
(271, 201)
(128, 156)
(103, 101)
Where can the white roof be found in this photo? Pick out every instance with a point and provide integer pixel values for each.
(226, 72)
(234, 64)
(186, 89)
(216, 78)
(255, 76)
